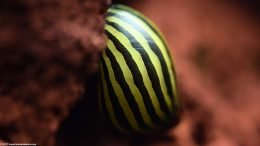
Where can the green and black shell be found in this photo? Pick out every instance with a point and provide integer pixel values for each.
(137, 78)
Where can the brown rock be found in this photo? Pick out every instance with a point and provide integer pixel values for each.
(48, 49)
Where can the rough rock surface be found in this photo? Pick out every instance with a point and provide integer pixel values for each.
(48, 49)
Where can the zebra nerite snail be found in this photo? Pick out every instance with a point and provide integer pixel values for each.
(137, 78)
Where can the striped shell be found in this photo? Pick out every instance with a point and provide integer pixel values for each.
(137, 78)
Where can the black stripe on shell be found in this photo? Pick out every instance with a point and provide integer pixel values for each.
(119, 113)
(148, 64)
(154, 47)
(126, 90)
(138, 78)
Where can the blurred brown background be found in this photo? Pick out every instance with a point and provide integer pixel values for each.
(216, 46)
(48, 55)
